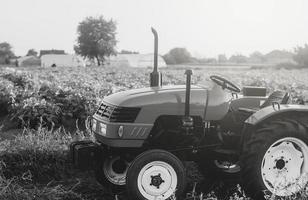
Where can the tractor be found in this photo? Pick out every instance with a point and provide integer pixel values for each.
(142, 136)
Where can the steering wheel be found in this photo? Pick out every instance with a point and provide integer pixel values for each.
(225, 84)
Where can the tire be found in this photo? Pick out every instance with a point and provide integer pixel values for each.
(213, 175)
(218, 168)
(155, 173)
(276, 153)
(105, 179)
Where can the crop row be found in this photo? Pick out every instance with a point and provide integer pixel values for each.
(64, 96)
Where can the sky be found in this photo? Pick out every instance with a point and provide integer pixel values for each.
(205, 27)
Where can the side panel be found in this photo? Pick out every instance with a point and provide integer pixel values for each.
(247, 102)
(171, 103)
(134, 134)
(270, 111)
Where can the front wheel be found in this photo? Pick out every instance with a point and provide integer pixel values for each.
(155, 174)
(111, 173)
(275, 159)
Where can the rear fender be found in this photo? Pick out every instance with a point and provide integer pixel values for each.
(275, 111)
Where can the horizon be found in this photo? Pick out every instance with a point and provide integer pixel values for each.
(204, 28)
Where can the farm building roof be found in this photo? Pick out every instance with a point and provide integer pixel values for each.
(52, 51)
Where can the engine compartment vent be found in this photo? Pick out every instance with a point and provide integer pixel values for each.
(113, 113)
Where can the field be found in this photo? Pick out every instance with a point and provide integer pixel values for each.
(43, 110)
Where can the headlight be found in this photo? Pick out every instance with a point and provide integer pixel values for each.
(120, 131)
(94, 122)
(102, 129)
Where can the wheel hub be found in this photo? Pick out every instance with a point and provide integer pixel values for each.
(284, 166)
(280, 164)
(156, 181)
(119, 166)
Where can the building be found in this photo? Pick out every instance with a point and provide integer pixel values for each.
(58, 60)
(135, 60)
(52, 51)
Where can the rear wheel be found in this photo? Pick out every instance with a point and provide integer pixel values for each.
(275, 159)
(155, 174)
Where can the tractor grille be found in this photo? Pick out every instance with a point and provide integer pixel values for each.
(117, 114)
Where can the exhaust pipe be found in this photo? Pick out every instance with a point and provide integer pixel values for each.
(155, 76)
(188, 73)
(187, 120)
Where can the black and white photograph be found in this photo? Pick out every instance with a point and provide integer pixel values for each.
(153, 99)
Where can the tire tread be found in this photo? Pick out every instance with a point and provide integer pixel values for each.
(260, 140)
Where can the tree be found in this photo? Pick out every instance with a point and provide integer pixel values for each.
(96, 38)
(238, 59)
(32, 52)
(256, 57)
(5, 53)
(222, 58)
(177, 56)
(169, 59)
(279, 56)
(301, 55)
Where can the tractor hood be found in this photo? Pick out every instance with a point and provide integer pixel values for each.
(155, 95)
(170, 100)
(157, 101)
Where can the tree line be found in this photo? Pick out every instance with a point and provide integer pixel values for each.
(300, 56)
(96, 40)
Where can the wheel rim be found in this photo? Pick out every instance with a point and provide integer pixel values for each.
(227, 167)
(157, 180)
(284, 166)
(113, 172)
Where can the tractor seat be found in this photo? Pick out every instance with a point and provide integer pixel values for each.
(277, 96)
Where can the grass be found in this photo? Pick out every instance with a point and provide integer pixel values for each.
(44, 109)
(30, 162)
(36, 165)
